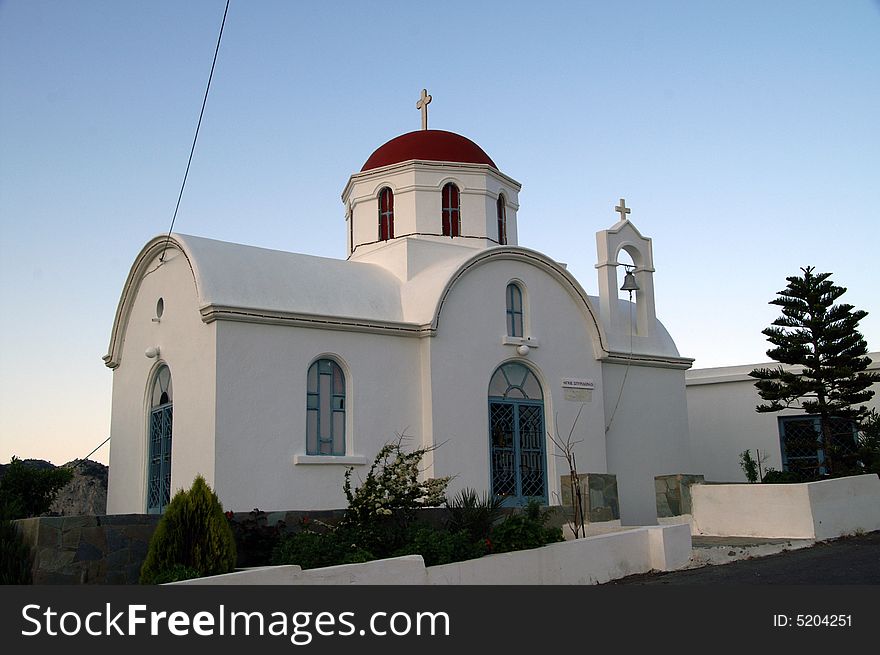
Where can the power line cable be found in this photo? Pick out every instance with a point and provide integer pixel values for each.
(96, 448)
(196, 137)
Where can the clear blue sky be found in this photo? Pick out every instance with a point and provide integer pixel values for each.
(744, 135)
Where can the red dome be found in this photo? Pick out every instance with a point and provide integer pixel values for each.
(428, 145)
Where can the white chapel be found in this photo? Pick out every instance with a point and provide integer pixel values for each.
(271, 372)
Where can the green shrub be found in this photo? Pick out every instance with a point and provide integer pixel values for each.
(475, 514)
(26, 491)
(748, 465)
(316, 549)
(15, 556)
(176, 573)
(772, 476)
(255, 539)
(193, 533)
(438, 546)
(524, 530)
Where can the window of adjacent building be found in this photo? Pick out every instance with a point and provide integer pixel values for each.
(802, 444)
(386, 214)
(502, 220)
(451, 211)
(325, 409)
(514, 310)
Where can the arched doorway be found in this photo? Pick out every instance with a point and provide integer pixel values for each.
(159, 469)
(517, 445)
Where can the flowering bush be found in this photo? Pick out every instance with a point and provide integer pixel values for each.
(381, 510)
(392, 486)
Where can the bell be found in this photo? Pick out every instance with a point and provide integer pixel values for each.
(629, 282)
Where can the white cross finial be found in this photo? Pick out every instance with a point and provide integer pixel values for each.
(622, 209)
(422, 104)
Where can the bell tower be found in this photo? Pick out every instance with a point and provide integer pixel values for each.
(623, 235)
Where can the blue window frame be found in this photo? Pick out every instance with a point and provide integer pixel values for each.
(514, 310)
(801, 443)
(325, 409)
(516, 435)
(159, 455)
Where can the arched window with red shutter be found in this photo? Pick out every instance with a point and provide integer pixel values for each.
(386, 214)
(451, 211)
(502, 220)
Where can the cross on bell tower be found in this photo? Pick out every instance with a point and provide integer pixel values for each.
(622, 209)
(422, 104)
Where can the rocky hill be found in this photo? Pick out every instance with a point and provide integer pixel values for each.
(85, 494)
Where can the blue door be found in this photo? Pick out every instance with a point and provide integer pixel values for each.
(159, 479)
(159, 446)
(517, 444)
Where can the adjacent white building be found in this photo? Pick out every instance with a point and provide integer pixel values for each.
(723, 423)
(270, 372)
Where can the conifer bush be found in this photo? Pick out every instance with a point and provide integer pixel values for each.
(193, 534)
(15, 561)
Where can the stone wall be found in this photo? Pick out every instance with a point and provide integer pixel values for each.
(88, 549)
(599, 495)
(674, 494)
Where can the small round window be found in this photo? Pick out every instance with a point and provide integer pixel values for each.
(160, 308)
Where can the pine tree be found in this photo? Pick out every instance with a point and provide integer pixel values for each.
(823, 339)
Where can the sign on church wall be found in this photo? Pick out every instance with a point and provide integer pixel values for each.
(578, 389)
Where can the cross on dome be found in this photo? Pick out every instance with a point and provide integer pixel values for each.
(422, 104)
(622, 209)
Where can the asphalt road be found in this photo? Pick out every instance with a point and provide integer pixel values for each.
(844, 561)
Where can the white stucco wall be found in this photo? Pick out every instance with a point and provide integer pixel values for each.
(648, 435)
(591, 560)
(723, 421)
(468, 348)
(187, 346)
(261, 411)
(814, 510)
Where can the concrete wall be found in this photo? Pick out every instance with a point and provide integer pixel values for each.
(648, 436)
(187, 346)
(723, 422)
(591, 560)
(814, 510)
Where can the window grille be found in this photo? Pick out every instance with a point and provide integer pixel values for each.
(516, 435)
(802, 445)
(159, 442)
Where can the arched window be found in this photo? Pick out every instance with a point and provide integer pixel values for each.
(451, 211)
(518, 459)
(159, 471)
(514, 310)
(325, 409)
(386, 214)
(502, 220)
